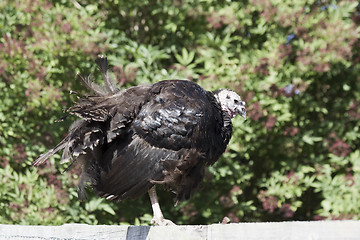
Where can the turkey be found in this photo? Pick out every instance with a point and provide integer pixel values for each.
(128, 141)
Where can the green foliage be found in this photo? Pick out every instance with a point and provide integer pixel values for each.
(27, 195)
(295, 63)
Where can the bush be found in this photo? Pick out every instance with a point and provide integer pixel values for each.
(295, 64)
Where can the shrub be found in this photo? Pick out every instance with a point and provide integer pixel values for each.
(296, 65)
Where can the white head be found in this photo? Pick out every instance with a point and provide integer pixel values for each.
(230, 102)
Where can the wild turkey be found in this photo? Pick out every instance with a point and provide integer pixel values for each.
(127, 141)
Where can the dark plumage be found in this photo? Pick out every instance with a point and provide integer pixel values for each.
(129, 140)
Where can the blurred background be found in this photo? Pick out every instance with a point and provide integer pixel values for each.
(295, 63)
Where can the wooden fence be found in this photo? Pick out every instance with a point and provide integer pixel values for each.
(329, 230)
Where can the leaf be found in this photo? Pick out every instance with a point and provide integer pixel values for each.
(107, 208)
(308, 139)
(186, 58)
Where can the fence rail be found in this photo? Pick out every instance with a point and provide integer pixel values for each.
(250, 231)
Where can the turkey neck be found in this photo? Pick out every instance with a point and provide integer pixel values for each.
(227, 127)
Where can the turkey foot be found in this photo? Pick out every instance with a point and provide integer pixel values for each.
(158, 219)
(161, 222)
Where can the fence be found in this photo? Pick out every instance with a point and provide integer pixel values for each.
(250, 231)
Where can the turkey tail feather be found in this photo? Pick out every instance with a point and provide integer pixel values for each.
(102, 63)
(51, 152)
(91, 85)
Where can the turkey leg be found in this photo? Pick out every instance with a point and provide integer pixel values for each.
(158, 218)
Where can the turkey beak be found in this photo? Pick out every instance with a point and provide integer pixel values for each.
(241, 110)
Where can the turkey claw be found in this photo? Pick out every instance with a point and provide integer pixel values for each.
(161, 222)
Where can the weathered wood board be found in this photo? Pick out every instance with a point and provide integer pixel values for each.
(329, 230)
